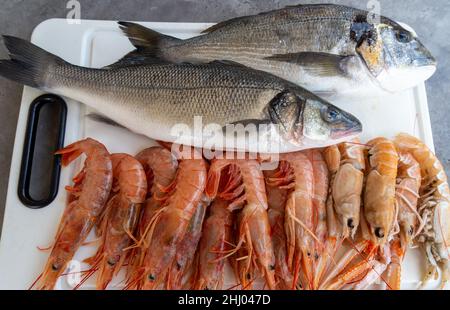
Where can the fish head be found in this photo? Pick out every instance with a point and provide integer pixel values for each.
(305, 118)
(394, 55)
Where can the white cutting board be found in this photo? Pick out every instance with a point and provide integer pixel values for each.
(99, 43)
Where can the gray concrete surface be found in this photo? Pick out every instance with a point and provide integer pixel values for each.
(430, 18)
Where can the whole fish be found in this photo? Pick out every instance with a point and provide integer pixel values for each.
(325, 48)
(162, 101)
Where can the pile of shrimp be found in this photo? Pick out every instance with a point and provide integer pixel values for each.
(341, 217)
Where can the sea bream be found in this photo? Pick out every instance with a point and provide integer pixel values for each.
(162, 100)
(326, 48)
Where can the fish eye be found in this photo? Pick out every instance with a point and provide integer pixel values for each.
(403, 36)
(331, 115)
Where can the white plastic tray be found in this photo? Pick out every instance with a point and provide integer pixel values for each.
(99, 43)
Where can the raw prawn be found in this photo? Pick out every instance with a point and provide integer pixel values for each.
(170, 223)
(120, 218)
(321, 184)
(181, 267)
(276, 198)
(246, 191)
(214, 243)
(88, 198)
(160, 167)
(299, 216)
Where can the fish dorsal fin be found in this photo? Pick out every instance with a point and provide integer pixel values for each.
(146, 39)
(136, 58)
(318, 63)
(231, 21)
(223, 24)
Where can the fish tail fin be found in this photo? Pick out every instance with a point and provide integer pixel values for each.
(147, 40)
(28, 64)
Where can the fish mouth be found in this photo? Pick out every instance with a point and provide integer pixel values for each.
(400, 79)
(424, 62)
(350, 128)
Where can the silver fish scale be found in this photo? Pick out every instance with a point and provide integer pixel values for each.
(172, 94)
(312, 28)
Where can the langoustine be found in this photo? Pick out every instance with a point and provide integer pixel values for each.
(346, 163)
(120, 218)
(371, 255)
(247, 192)
(407, 193)
(434, 208)
(379, 196)
(170, 223)
(89, 195)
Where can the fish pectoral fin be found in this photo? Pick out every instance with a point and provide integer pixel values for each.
(321, 64)
(103, 119)
(135, 58)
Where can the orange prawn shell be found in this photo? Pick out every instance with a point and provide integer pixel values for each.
(215, 241)
(185, 194)
(130, 176)
(254, 227)
(379, 196)
(92, 185)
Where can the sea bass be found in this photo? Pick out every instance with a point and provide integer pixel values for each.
(167, 101)
(325, 48)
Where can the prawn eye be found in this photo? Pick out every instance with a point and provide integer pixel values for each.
(151, 277)
(350, 223)
(411, 230)
(55, 267)
(379, 232)
(271, 267)
(403, 36)
(111, 262)
(248, 276)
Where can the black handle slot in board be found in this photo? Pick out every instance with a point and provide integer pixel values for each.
(40, 169)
